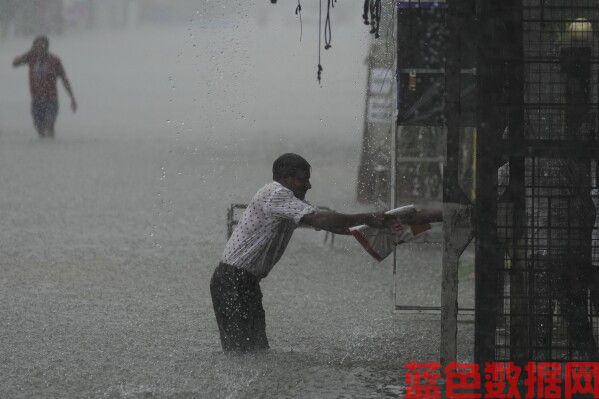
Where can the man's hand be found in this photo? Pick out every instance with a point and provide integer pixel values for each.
(407, 216)
(20, 60)
(380, 220)
(74, 105)
(383, 220)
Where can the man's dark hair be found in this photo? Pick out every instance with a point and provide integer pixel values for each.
(42, 38)
(288, 165)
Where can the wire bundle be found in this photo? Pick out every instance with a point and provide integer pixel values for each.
(372, 9)
(328, 33)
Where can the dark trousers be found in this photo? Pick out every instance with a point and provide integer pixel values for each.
(237, 302)
(44, 112)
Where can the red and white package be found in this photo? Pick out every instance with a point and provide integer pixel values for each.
(379, 243)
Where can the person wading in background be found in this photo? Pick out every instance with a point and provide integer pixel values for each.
(44, 70)
(258, 242)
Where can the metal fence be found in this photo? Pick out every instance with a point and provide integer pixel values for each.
(537, 245)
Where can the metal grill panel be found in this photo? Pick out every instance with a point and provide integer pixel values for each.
(539, 110)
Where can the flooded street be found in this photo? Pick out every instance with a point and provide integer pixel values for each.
(110, 232)
(105, 269)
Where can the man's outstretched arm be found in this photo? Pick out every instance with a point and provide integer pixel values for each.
(21, 60)
(340, 223)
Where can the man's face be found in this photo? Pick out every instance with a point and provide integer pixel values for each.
(40, 48)
(300, 183)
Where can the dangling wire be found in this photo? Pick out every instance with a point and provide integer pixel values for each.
(365, 13)
(378, 8)
(328, 34)
(319, 70)
(374, 8)
(298, 11)
(372, 16)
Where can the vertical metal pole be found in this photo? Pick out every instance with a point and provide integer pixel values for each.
(473, 162)
(364, 186)
(490, 82)
(520, 274)
(395, 129)
(457, 231)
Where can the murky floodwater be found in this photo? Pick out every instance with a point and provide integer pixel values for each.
(110, 233)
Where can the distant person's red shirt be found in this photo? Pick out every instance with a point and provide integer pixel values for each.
(43, 73)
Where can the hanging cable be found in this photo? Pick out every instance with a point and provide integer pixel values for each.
(328, 34)
(371, 9)
(374, 8)
(365, 13)
(378, 10)
(298, 11)
(319, 70)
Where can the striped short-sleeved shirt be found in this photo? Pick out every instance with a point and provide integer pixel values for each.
(265, 228)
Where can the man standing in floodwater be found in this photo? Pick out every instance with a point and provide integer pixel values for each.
(44, 69)
(258, 242)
